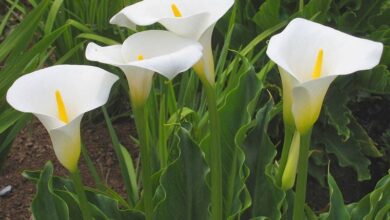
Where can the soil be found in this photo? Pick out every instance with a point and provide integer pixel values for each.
(32, 149)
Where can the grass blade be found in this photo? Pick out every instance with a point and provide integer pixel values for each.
(128, 178)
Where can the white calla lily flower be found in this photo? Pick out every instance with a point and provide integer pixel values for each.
(146, 53)
(59, 96)
(310, 56)
(194, 19)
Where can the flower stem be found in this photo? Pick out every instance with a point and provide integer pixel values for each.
(141, 124)
(84, 206)
(300, 195)
(215, 152)
(288, 135)
(301, 5)
(91, 167)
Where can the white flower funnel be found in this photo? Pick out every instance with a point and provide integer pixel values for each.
(59, 96)
(189, 18)
(310, 56)
(193, 19)
(145, 53)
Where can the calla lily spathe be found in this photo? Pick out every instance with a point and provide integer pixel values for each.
(194, 19)
(143, 54)
(310, 56)
(59, 96)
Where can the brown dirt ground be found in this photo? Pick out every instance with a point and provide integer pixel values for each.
(32, 149)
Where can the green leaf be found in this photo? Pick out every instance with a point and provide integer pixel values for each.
(8, 118)
(317, 9)
(79, 26)
(338, 113)
(268, 14)
(170, 124)
(348, 153)
(7, 16)
(386, 54)
(357, 18)
(102, 206)
(223, 57)
(288, 205)
(98, 38)
(381, 35)
(310, 215)
(52, 15)
(384, 213)
(374, 203)
(58, 183)
(69, 54)
(261, 37)
(7, 137)
(105, 205)
(72, 203)
(337, 208)
(360, 138)
(376, 80)
(317, 162)
(123, 157)
(131, 171)
(267, 197)
(380, 19)
(22, 35)
(46, 204)
(187, 196)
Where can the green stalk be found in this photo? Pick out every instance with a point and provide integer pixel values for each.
(84, 206)
(91, 167)
(288, 135)
(301, 4)
(140, 121)
(300, 195)
(162, 144)
(215, 152)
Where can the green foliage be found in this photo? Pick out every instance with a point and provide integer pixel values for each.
(316, 8)
(339, 115)
(21, 36)
(183, 183)
(267, 197)
(243, 90)
(268, 14)
(375, 204)
(347, 153)
(58, 195)
(46, 204)
(375, 81)
(337, 208)
(125, 163)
